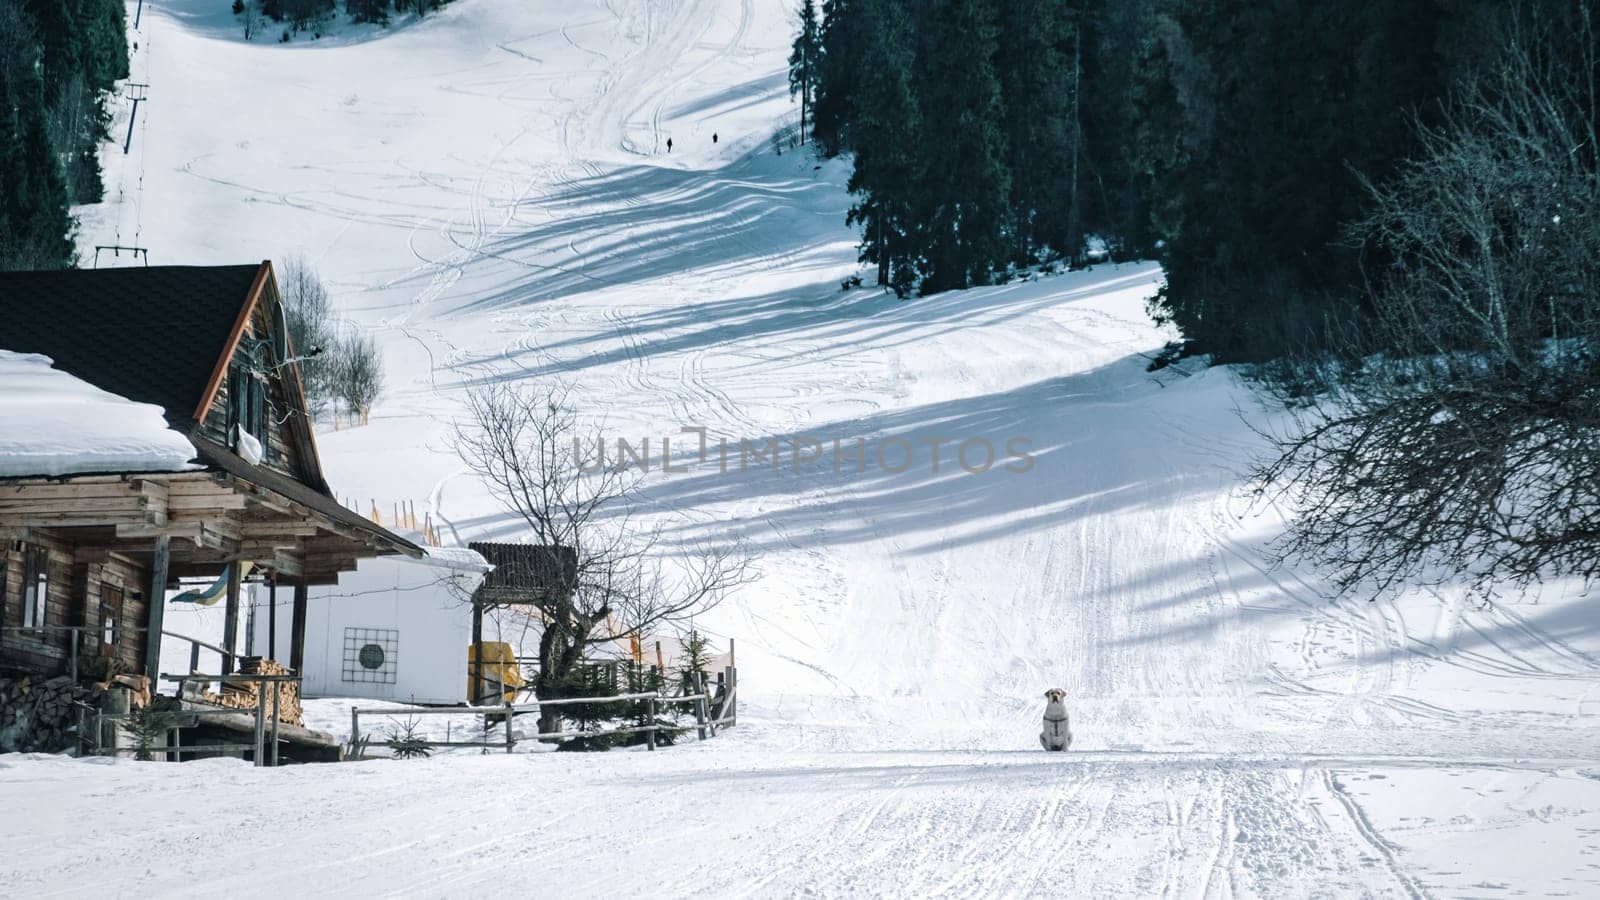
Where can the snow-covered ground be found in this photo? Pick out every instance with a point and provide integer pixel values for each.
(491, 190)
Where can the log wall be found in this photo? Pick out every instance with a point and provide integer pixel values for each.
(73, 598)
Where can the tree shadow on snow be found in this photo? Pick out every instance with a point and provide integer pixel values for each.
(1096, 449)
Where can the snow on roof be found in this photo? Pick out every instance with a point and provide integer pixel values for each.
(52, 423)
(460, 558)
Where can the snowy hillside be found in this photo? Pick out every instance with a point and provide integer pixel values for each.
(491, 191)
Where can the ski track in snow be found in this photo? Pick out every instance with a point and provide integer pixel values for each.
(490, 189)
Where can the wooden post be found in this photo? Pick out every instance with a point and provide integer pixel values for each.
(230, 620)
(272, 618)
(650, 736)
(509, 742)
(477, 653)
(156, 600)
(252, 612)
(132, 115)
(730, 710)
(699, 704)
(355, 729)
(261, 723)
(297, 632)
(276, 687)
(73, 636)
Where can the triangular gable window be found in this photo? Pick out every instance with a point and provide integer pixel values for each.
(248, 408)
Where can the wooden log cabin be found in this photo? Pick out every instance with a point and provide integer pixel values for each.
(87, 556)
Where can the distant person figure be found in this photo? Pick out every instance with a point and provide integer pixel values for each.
(713, 137)
(669, 145)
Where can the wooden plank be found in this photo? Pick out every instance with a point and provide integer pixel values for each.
(297, 629)
(67, 490)
(230, 622)
(199, 502)
(252, 522)
(477, 652)
(201, 534)
(155, 491)
(272, 620)
(210, 487)
(285, 563)
(222, 525)
(220, 371)
(261, 551)
(45, 505)
(156, 606)
(76, 519)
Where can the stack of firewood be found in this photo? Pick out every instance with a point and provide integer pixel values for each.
(41, 715)
(239, 693)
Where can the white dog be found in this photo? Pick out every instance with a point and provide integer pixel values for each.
(1057, 733)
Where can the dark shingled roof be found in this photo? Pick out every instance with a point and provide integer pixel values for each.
(150, 334)
(526, 571)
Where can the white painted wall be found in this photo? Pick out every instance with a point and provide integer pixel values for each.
(421, 604)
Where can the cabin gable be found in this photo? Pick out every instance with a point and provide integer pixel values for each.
(258, 390)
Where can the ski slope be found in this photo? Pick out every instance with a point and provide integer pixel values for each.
(490, 191)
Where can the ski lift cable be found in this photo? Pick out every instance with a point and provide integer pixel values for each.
(144, 142)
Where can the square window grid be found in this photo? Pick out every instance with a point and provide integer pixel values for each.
(371, 655)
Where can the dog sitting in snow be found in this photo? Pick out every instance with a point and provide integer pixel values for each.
(1057, 733)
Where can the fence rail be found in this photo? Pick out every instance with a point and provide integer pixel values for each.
(76, 633)
(229, 659)
(704, 725)
(264, 748)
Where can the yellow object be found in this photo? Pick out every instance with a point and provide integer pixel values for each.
(501, 673)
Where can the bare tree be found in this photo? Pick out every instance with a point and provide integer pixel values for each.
(308, 311)
(356, 373)
(1459, 435)
(249, 15)
(525, 445)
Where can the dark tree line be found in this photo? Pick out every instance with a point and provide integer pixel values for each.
(1389, 207)
(1229, 137)
(969, 125)
(306, 15)
(58, 61)
(1453, 431)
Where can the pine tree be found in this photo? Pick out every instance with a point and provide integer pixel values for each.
(889, 139)
(838, 73)
(1266, 180)
(368, 11)
(35, 226)
(805, 62)
(967, 185)
(1039, 80)
(1114, 190)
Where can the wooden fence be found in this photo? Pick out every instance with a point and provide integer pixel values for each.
(93, 722)
(400, 515)
(707, 719)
